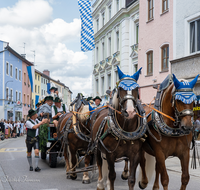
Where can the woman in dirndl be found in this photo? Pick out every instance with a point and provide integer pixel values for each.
(6, 128)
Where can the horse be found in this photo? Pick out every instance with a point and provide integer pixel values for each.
(168, 136)
(75, 136)
(116, 135)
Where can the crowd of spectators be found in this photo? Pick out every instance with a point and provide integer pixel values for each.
(12, 129)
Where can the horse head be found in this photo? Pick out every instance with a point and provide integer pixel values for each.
(182, 101)
(126, 94)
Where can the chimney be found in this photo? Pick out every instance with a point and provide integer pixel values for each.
(24, 56)
(46, 72)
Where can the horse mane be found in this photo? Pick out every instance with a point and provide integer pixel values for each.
(115, 100)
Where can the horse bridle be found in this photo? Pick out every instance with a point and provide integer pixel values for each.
(125, 98)
(183, 113)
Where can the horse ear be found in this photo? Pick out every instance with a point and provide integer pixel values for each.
(137, 74)
(177, 83)
(193, 82)
(120, 73)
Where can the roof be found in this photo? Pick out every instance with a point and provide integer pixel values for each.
(18, 55)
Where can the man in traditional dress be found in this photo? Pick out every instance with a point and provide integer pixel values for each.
(46, 107)
(97, 101)
(57, 110)
(32, 125)
(54, 93)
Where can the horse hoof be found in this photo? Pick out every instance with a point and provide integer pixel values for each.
(100, 189)
(124, 178)
(73, 177)
(68, 177)
(142, 185)
(86, 181)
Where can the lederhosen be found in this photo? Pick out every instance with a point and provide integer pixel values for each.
(56, 110)
(31, 139)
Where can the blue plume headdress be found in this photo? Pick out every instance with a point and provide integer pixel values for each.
(186, 97)
(128, 84)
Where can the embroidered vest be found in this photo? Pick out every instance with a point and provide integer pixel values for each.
(56, 110)
(31, 132)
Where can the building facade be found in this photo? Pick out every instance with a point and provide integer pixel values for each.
(116, 28)
(187, 41)
(11, 83)
(36, 95)
(155, 45)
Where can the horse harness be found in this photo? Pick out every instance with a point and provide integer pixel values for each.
(157, 119)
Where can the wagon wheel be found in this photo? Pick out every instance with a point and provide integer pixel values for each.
(53, 159)
(43, 153)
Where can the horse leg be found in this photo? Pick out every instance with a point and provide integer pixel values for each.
(185, 173)
(66, 161)
(72, 161)
(111, 174)
(161, 168)
(125, 173)
(144, 180)
(134, 161)
(100, 182)
(86, 178)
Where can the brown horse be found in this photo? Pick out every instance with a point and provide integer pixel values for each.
(75, 138)
(117, 135)
(168, 137)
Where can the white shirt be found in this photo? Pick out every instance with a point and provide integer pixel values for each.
(30, 125)
(6, 125)
(59, 109)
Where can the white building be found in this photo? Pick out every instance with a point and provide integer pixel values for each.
(116, 28)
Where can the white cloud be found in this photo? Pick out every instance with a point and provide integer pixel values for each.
(26, 13)
(30, 21)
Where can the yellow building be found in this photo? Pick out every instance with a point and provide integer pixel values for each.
(37, 88)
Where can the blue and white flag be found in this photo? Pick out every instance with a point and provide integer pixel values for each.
(87, 31)
(31, 71)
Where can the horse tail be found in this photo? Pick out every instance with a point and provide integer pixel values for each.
(149, 168)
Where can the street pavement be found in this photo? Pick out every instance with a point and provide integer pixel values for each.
(15, 174)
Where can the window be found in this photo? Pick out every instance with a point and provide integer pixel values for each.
(135, 68)
(116, 76)
(41, 80)
(164, 5)
(150, 9)
(27, 99)
(109, 81)
(35, 76)
(25, 78)
(16, 96)
(103, 19)
(24, 99)
(20, 73)
(137, 34)
(117, 5)
(97, 86)
(42, 92)
(117, 40)
(16, 71)
(150, 63)
(110, 12)
(38, 89)
(35, 88)
(195, 36)
(7, 93)
(109, 45)
(97, 24)
(38, 78)
(11, 70)
(7, 68)
(20, 96)
(97, 54)
(165, 57)
(11, 94)
(102, 85)
(103, 51)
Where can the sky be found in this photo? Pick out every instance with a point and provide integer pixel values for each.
(52, 29)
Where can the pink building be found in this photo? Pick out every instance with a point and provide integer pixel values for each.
(26, 89)
(155, 44)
